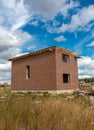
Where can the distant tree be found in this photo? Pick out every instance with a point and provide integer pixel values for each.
(87, 80)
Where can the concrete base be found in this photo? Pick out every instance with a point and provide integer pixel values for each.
(42, 91)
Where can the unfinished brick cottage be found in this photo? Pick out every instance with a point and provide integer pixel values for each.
(51, 69)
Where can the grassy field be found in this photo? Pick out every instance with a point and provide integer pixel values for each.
(45, 112)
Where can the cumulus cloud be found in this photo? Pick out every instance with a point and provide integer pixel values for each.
(14, 13)
(5, 66)
(8, 38)
(50, 8)
(5, 74)
(10, 43)
(60, 38)
(34, 23)
(91, 44)
(79, 21)
(86, 67)
(9, 53)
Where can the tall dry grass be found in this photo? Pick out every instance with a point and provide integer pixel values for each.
(22, 113)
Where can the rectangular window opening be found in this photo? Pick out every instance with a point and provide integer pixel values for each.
(66, 78)
(65, 58)
(27, 72)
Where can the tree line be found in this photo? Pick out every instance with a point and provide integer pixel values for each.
(86, 80)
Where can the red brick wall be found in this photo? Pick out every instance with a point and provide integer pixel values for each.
(46, 71)
(42, 71)
(69, 68)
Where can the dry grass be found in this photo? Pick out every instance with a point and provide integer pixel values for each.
(50, 113)
(86, 86)
(4, 90)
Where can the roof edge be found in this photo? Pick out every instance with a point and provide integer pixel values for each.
(40, 52)
(33, 53)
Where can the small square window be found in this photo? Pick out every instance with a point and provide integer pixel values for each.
(27, 72)
(65, 58)
(66, 78)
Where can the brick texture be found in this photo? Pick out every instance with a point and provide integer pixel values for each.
(46, 71)
(67, 68)
(42, 72)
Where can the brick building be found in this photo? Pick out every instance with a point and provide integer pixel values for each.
(51, 69)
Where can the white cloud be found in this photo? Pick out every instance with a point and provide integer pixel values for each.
(84, 61)
(15, 38)
(86, 67)
(50, 8)
(91, 44)
(79, 21)
(14, 13)
(34, 23)
(69, 6)
(60, 38)
(51, 27)
(5, 66)
(9, 53)
(84, 76)
(10, 43)
(5, 72)
(33, 47)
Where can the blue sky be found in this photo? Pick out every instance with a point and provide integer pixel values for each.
(29, 25)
